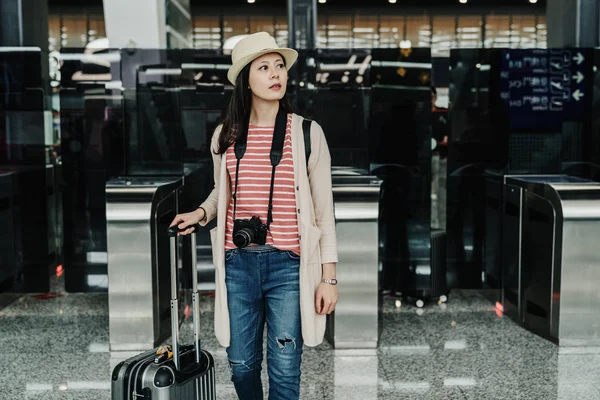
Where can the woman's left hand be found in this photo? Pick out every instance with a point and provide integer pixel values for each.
(326, 299)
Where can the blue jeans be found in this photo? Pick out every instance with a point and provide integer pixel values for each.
(263, 285)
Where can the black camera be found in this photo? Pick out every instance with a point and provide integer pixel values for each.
(246, 231)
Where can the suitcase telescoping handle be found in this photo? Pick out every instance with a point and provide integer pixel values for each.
(173, 231)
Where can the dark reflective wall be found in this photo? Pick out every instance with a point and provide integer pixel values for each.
(92, 143)
(331, 87)
(22, 99)
(204, 98)
(375, 108)
(593, 145)
(400, 154)
(92, 140)
(502, 124)
(342, 113)
(152, 82)
(402, 158)
(25, 187)
(203, 109)
(477, 161)
(155, 118)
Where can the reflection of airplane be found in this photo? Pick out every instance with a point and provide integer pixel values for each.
(99, 60)
(345, 69)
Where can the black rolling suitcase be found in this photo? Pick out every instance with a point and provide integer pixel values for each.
(169, 373)
(425, 285)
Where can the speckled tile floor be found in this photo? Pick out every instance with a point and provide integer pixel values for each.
(57, 348)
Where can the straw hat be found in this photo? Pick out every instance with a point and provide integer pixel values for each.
(253, 46)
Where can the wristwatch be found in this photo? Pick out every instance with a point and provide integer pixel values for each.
(330, 281)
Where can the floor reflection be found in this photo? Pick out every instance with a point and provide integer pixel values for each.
(57, 348)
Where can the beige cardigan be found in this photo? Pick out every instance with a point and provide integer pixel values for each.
(316, 224)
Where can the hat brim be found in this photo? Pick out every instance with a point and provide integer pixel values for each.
(290, 56)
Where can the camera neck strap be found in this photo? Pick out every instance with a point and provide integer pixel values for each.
(276, 155)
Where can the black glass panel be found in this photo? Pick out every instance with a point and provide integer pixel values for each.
(22, 128)
(202, 110)
(592, 144)
(536, 268)
(23, 209)
(401, 67)
(92, 152)
(24, 254)
(201, 113)
(512, 112)
(348, 68)
(580, 141)
(342, 113)
(204, 98)
(303, 73)
(204, 67)
(80, 66)
(205, 95)
(400, 154)
(155, 140)
(20, 70)
(477, 160)
(329, 86)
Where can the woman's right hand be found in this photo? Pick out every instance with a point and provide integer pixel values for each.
(188, 219)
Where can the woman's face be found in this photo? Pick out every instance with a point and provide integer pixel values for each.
(268, 77)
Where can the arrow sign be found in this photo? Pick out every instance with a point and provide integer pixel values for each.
(579, 58)
(579, 77)
(577, 95)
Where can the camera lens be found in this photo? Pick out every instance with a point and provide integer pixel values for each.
(243, 237)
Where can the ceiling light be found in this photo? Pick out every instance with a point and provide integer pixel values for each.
(322, 1)
(463, 1)
(392, 1)
(533, 1)
(251, 1)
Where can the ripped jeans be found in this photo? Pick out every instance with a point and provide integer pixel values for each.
(263, 286)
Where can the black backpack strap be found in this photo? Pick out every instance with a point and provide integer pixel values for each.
(306, 130)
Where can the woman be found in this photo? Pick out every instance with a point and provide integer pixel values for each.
(288, 279)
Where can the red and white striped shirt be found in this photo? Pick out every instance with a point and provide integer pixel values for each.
(255, 184)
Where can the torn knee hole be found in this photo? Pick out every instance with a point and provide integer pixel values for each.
(285, 340)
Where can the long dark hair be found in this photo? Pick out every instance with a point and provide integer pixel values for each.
(238, 112)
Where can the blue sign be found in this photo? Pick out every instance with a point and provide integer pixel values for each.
(543, 88)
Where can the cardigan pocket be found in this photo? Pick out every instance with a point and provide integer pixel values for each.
(312, 244)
